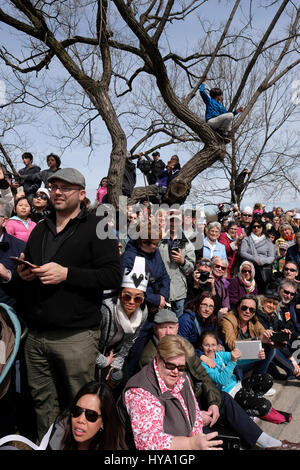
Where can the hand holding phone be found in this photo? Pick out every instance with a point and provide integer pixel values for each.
(21, 261)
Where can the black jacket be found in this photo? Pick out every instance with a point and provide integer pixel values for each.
(93, 265)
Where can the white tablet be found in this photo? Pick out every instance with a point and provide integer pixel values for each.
(249, 349)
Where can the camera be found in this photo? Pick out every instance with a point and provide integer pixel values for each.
(204, 277)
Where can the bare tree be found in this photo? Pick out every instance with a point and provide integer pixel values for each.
(125, 41)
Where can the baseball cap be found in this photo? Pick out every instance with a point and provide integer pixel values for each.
(164, 315)
(70, 175)
(45, 191)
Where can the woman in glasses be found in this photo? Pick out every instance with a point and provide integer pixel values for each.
(40, 205)
(121, 320)
(211, 246)
(242, 324)
(200, 315)
(161, 404)
(287, 235)
(260, 250)
(242, 284)
(91, 423)
(219, 268)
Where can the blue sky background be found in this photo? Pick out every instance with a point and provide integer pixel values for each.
(95, 165)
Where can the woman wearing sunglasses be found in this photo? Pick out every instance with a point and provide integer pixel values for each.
(40, 205)
(242, 284)
(242, 324)
(91, 423)
(221, 284)
(121, 320)
(260, 250)
(161, 404)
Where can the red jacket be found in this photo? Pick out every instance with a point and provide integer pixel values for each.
(232, 254)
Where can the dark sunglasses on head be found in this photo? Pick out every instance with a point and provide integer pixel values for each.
(290, 269)
(138, 299)
(41, 196)
(204, 263)
(171, 366)
(91, 415)
(244, 308)
(218, 266)
(287, 292)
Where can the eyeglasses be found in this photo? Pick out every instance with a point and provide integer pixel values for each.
(171, 366)
(247, 215)
(244, 308)
(138, 299)
(91, 415)
(287, 292)
(218, 266)
(244, 271)
(209, 307)
(256, 226)
(41, 196)
(290, 269)
(63, 189)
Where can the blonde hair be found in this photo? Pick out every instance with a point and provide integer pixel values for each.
(174, 345)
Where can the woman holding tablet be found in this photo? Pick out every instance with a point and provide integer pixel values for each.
(242, 325)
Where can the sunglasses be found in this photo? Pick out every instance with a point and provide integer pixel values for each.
(91, 415)
(204, 263)
(41, 196)
(287, 292)
(218, 266)
(246, 271)
(138, 299)
(256, 226)
(171, 366)
(290, 269)
(247, 215)
(244, 308)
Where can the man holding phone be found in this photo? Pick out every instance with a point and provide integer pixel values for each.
(178, 254)
(61, 298)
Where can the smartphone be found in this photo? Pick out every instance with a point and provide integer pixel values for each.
(279, 337)
(229, 442)
(22, 261)
(175, 249)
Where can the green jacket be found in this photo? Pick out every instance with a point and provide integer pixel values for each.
(204, 388)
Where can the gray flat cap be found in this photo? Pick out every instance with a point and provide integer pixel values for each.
(70, 175)
(165, 315)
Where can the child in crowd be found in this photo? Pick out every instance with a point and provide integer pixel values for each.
(102, 191)
(20, 225)
(216, 115)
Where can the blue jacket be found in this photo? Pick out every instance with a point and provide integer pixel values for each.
(191, 326)
(219, 250)
(14, 247)
(155, 266)
(213, 107)
(222, 375)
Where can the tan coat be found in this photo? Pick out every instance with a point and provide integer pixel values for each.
(229, 330)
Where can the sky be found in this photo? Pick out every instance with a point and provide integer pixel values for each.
(95, 165)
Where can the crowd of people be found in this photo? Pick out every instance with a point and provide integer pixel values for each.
(130, 342)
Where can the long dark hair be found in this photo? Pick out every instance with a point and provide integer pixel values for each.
(247, 297)
(194, 306)
(112, 435)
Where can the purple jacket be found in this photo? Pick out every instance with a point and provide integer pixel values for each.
(236, 290)
(221, 287)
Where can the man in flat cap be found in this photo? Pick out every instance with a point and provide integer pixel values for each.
(61, 297)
